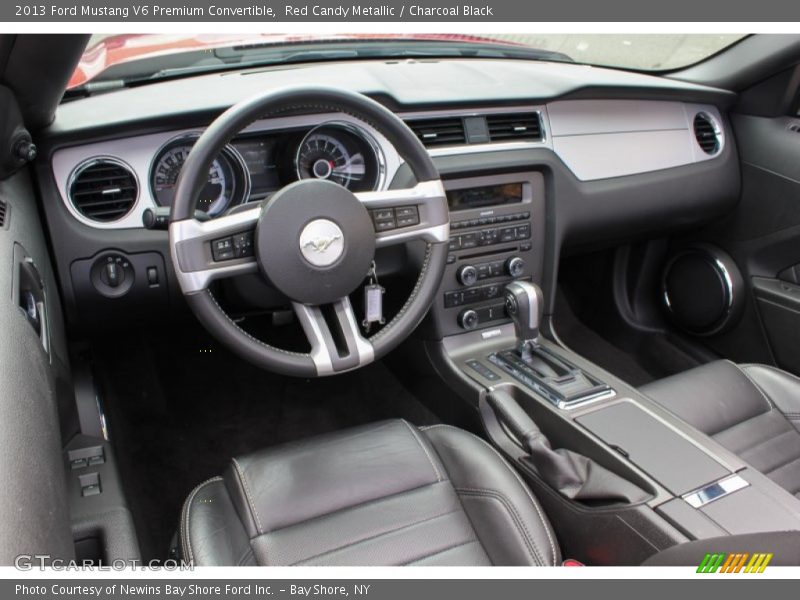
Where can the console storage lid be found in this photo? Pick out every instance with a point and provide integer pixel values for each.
(670, 458)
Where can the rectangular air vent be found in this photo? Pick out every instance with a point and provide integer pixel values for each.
(514, 127)
(2, 214)
(446, 131)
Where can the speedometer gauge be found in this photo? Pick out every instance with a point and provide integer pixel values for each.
(227, 182)
(342, 154)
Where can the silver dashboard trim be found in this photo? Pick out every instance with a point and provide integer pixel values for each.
(632, 148)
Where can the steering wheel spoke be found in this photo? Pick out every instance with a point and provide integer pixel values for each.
(216, 249)
(402, 215)
(336, 341)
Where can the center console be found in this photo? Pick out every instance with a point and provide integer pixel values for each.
(612, 468)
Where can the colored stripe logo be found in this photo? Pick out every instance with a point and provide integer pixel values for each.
(737, 562)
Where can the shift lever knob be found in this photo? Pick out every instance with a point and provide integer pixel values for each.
(524, 304)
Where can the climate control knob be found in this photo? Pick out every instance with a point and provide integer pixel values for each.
(468, 319)
(467, 275)
(515, 266)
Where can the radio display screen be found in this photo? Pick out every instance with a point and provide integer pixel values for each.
(490, 195)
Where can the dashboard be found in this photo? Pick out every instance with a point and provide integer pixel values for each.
(536, 157)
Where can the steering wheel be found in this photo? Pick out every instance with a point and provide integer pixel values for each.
(314, 240)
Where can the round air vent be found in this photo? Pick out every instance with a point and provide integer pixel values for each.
(103, 189)
(702, 290)
(707, 133)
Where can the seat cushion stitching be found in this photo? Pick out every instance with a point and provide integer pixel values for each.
(783, 465)
(187, 509)
(516, 476)
(764, 442)
(376, 536)
(519, 523)
(415, 433)
(747, 423)
(354, 506)
(427, 556)
(247, 494)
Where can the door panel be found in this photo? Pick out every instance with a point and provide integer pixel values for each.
(33, 366)
(763, 237)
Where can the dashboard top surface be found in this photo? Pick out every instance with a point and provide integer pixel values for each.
(402, 85)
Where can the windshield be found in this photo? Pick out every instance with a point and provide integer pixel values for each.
(122, 59)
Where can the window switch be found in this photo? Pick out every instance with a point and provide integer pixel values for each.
(90, 484)
(90, 490)
(78, 463)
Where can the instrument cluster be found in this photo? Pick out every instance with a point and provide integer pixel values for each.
(253, 166)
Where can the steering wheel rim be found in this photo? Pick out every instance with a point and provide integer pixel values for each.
(300, 209)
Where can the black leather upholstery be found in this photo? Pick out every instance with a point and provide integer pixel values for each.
(753, 410)
(383, 494)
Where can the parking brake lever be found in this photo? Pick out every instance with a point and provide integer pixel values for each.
(571, 474)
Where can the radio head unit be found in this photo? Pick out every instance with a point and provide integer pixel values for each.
(485, 195)
(496, 236)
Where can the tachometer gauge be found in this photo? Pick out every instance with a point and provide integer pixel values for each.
(227, 183)
(340, 153)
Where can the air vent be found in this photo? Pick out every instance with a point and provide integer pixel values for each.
(103, 190)
(439, 132)
(514, 127)
(2, 214)
(707, 133)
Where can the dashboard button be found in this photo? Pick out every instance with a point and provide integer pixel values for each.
(406, 211)
(455, 243)
(382, 214)
(469, 240)
(223, 249)
(243, 244)
(473, 295)
(523, 232)
(407, 221)
(491, 291)
(488, 237)
(508, 234)
(452, 299)
(385, 225)
(482, 370)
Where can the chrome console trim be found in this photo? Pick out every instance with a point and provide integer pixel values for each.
(715, 491)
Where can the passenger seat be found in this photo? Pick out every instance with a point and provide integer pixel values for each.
(753, 410)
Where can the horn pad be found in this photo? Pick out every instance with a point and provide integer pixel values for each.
(315, 241)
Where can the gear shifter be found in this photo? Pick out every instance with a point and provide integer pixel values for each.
(532, 362)
(524, 304)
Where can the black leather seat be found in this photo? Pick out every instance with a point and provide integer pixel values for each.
(753, 410)
(384, 494)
